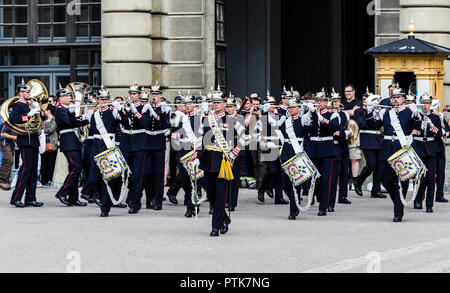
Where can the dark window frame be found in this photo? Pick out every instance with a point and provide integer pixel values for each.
(221, 47)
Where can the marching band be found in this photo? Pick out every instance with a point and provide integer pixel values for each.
(303, 145)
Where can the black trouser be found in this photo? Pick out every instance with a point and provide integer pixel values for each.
(288, 188)
(70, 186)
(373, 165)
(185, 181)
(101, 188)
(440, 174)
(390, 182)
(7, 149)
(235, 183)
(217, 192)
(27, 175)
(428, 182)
(272, 179)
(175, 186)
(173, 163)
(154, 176)
(136, 161)
(255, 164)
(89, 186)
(87, 159)
(343, 172)
(325, 166)
(48, 160)
(336, 166)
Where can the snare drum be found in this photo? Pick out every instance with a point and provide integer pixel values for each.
(111, 163)
(299, 169)
(406, 163)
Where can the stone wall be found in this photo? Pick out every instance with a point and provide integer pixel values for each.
(158, 40)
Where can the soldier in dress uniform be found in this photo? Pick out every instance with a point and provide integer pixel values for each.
(391, 144)
(268, 132)
(297, 121)
(284, 102)
(215, 160)
(175, 182)
(321, 149)
(88, 192)
(240, 124)
(109, 120)
(70, 146)
(370, 139)
(156, 141)
(134, 145)
(29, 149)
(426, 134)
(440, 159)
(343, 158)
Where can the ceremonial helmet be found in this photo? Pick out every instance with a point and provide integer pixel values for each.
(334, 96)
(103, 93)
(284, 94)
(200, 99)
(179, 99)
(62, 92)
(23, 87)
(144, 95)
(134, 88)
(294, 102)
(398, 92)
(322, 95)
(367, 93)
(269, 99)
(209, 96)
(218, 96)
(231, 101)
(156, 89)
(426, 98)
(410, 98)
(189, 99)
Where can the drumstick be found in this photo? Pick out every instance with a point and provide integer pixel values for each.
(244, 102)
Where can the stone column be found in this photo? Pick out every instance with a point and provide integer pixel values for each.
(183, 45)
(432, 22)
(126, 44)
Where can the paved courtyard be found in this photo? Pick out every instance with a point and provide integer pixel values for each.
(357, 238)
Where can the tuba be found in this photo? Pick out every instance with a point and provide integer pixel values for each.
(38, 94)
(353, 127)
(79, 92)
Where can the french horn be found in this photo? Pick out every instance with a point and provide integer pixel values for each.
(38, 94)
(79, 92)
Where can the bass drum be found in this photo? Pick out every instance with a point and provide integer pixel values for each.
(61, 171)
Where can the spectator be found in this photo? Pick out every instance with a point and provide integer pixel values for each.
(51, 147)
(7, 146)
(52, 100)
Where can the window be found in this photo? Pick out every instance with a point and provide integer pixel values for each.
(13, 20)
(221, 46)
(88, 67)
(51, 20)
(88, 22)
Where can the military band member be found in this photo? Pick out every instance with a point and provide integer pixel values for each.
(156, 140)
(343, 158)
(426, 134)
(88, 192)
(215, 160)
(29, 149)
(268, 132)
(370, 138)
(70, 145)
(284, 102)
(109, 121)
(441, 160)
(321, 149)
(134, 145)
(391, 144)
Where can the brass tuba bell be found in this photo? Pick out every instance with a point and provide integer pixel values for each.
(39, 94)
(79, 92)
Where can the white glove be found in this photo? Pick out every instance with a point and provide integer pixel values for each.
(164, 107)
(117, 105)
(311, 107)
(72, 108)
(271, 145)
(133, 108)
(306, 120)
(33, 112)
(266, 107)
(413, 108)
(370, 107)
(320, 117)
(88, 115)
(35, 105)
(205, 107)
